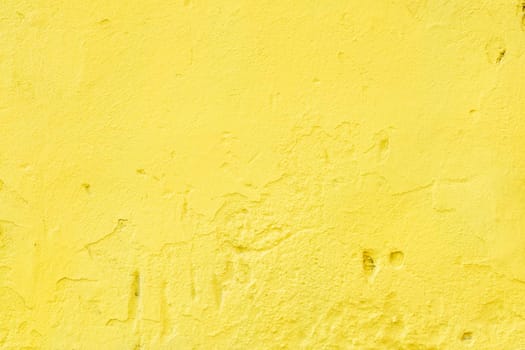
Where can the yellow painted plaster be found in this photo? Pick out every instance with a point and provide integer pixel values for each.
(262, 174)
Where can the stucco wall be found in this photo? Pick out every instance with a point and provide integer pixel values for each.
(262, 174)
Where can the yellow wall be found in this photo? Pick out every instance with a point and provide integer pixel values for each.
(262, 174)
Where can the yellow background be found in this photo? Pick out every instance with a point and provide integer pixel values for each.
(262, 174)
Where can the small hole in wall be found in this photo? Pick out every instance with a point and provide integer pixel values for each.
(369, 264)
(396, 258)
(141, 171)
(466, 336)
(500, 55)
(86, 187)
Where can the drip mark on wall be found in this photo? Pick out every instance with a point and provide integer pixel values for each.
(134, 296)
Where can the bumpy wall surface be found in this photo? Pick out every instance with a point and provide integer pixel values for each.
(196, 174)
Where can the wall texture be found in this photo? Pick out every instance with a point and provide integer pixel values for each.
(262, 174)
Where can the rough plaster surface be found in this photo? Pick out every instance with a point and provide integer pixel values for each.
(262, 174)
